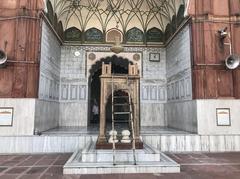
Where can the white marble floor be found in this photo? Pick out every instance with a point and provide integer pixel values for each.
(94, 129)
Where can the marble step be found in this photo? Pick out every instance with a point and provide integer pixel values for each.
(89, 154)
(119, 157)
(92, 161)
(76, 166)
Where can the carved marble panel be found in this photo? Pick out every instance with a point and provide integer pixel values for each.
(153, 93)
(145, 92)
(64, 91)
(74, 92)
(161, 93)
(82, 92)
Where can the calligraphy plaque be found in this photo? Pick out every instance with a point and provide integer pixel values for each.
(223, 117)
(6, 116)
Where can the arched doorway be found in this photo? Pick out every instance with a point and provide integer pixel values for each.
(119, 66)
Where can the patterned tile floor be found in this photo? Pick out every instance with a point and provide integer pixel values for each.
(193, 166)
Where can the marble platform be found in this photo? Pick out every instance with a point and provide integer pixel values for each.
(92, 161)
(94, 130)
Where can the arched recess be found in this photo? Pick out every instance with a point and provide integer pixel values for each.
(119, 66)
(72, 34)
(93, 35)
(155, 35)
(112, 34)
(134, 35)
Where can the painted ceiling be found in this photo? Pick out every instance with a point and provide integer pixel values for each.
(120, 14)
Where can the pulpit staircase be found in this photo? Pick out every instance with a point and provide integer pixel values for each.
(127, 104)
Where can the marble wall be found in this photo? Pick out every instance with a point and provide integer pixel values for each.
(74, 83)
(178, 67)
(180, 110)
(29, 115)
(43, 144)
(153, 93)
(73, 114)
(207, 116)
(194, 143)
(49, 65)
(23, 117)
(161, 80)
(47, 107)
(73, 87)
(46, 115)
(182, 115)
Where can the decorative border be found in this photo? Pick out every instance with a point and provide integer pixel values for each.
(229, 117)
(12, 112)
(154, 57)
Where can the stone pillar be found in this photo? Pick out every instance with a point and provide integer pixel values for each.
(106, 72)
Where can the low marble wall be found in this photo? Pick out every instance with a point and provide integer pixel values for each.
(182, 115)
(164, 143)
(23, 117)
(152, 114)
(207, 117)
(194, 143)
(46, 115)
(43, 144)
(73, 114)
